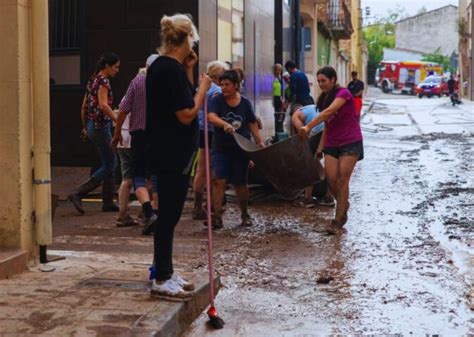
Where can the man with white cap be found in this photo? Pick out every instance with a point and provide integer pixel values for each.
(134, 103)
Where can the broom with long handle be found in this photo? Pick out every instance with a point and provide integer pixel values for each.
(214, 320)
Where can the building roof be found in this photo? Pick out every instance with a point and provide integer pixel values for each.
(425, 13)
(407, 50)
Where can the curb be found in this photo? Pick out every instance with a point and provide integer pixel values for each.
(176, 317)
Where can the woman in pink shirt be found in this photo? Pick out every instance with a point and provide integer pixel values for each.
(341, 141)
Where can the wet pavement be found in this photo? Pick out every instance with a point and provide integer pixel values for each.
(405, 265)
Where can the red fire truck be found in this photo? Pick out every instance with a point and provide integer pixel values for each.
(404, 76)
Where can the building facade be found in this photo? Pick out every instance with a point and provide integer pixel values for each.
(238, 31)
(331, 36)
(466, 43)
(429, 31)
(25, 208)
(53, 46)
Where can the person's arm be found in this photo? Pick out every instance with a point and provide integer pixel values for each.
(117, 139)
(254, 130)
(104, 103)
(319, 151)
(84, 117)
(189, 63)
(323, 116)
(361, 91)
(296, 120)
(186, 116)
(220, 123)
(292, 88)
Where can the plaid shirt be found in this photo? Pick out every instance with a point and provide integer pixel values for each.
(134, 103)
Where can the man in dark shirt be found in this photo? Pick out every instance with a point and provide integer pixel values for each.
(299, 84)
(451, 83)
(452, 91)
(356, 87)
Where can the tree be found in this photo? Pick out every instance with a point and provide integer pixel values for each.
(381, 35)
(422, 10)
(442, 60)
(378, 37)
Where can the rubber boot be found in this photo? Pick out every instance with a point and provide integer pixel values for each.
(198, 211)
(108, 190)
(81, 191)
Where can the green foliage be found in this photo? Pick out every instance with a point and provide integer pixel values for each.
(441, 59)
(378, 37)
(381, 35)
(422, 10)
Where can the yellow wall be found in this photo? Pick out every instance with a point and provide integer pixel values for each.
(356, 38)
(16, 189)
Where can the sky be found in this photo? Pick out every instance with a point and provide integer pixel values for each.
(380, 7)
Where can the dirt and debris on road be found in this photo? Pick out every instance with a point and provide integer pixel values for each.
(404, 267)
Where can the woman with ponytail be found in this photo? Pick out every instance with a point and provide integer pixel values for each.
(97, 117)
(172, 128)
(341, 141)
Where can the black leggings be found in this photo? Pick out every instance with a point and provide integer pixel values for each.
(172, 189)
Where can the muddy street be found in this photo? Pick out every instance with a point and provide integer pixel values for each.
(403, 267)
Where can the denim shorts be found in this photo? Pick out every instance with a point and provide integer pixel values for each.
(352, 149)
(231, 166)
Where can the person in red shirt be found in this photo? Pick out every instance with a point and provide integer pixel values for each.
(356, 87)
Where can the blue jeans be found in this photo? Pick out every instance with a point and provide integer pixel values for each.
(101, 138)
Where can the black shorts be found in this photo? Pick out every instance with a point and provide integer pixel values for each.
(356, 148)
(201, 138)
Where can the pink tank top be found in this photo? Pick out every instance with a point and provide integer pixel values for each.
(343, 128)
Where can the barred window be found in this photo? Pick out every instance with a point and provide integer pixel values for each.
(65, 21)
(64, 18)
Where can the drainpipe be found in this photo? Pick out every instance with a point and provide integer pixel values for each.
(41, 132)
(297, 32)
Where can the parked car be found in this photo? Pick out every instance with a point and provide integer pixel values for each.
(432, 86)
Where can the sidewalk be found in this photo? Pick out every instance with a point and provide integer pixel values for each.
(101, 288)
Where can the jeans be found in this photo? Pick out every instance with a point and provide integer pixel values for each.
(101, 138)
(172, 189)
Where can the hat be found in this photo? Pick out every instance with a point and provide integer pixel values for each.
(152, 58)
(286, 74)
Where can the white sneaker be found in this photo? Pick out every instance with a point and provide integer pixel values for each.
(182, 282)
(170, 290)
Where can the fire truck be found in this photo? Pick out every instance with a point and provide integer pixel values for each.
(404, 76)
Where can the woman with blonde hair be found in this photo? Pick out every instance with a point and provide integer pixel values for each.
(172, 131)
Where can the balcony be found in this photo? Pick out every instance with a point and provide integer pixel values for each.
(339, 20)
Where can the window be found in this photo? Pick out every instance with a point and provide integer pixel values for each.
(238, 33)
(306, 32)
(230, 31)
(65, 42)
